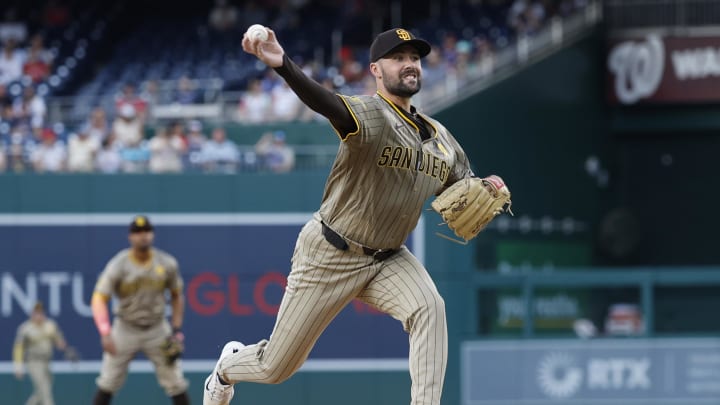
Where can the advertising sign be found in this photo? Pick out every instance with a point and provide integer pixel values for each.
(603, 371)
(234, 267)
(655, 69)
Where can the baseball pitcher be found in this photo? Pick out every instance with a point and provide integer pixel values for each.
(391, 159)
(139, 277)
(33, 350)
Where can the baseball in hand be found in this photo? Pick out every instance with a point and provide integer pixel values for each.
(257, 31)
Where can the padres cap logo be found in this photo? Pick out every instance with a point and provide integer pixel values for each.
(404, 35)
(140, 223)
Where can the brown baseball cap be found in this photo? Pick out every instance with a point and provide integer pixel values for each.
(140, 223)
(391, 39)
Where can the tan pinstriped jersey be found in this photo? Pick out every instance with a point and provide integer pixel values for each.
(37, 339)
(384, 172)
(140, 288)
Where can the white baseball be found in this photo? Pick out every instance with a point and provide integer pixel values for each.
(257, 31)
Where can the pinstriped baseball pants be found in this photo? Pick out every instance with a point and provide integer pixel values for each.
(322, 281)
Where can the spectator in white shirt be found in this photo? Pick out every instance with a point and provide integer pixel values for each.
(81, 152)
(30, 108)
(166, 151)
(97, 126)
(285, 103)
(220, 154)
(11, 62)
(50, 155)
(254, 104)
(127, 127)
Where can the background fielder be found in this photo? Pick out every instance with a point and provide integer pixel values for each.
(33, 351)
(390, 161)
(139, 277)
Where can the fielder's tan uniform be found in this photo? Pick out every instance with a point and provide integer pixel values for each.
(373, 198)
(140, 323)
(36, 342)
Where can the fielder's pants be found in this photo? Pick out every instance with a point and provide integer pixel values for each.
(323, 280)
(41, 378)
(128, 341)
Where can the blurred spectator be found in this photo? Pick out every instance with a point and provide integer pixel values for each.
(449, 49)
(484, 55)
(151, 93)
(186, 92)
(108, 158)
(130, 97)
(195, 138)
(166, 149)
(254, 104)
(223, 16)
(97, 126)
(82, 149)
(195, 141)
(350, 69)
(50, 155)
(127, 127)
(35, 67)
(134, 157)
(274, 153)
(39, 60)
(433, 71)
(526, 17)
(19, 144)
(30, 108)
(11, 62)
(219, 154)
(285, 103)
(12, 27)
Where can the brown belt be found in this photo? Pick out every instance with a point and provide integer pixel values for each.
(340, 243)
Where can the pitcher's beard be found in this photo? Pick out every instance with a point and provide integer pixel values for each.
(401, 89)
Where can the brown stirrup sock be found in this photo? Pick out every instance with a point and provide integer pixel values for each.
(102, 398)
(181, 399)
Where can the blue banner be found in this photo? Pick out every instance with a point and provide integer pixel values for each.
(602, 371)
(234, 267)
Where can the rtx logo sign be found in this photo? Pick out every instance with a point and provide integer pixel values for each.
(562, 375)
(621, 373)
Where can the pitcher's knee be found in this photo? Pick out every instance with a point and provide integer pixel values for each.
(434, 306)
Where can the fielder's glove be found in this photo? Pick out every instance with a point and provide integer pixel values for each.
(173, 347)
(470, 204)
(71, 354)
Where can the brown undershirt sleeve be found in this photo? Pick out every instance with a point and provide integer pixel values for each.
(317, 97)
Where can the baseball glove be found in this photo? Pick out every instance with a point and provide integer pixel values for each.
(173, 348)
(71, 354)
(469, 205)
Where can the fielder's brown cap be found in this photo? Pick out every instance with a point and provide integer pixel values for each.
(391, 39)
(140, 223)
